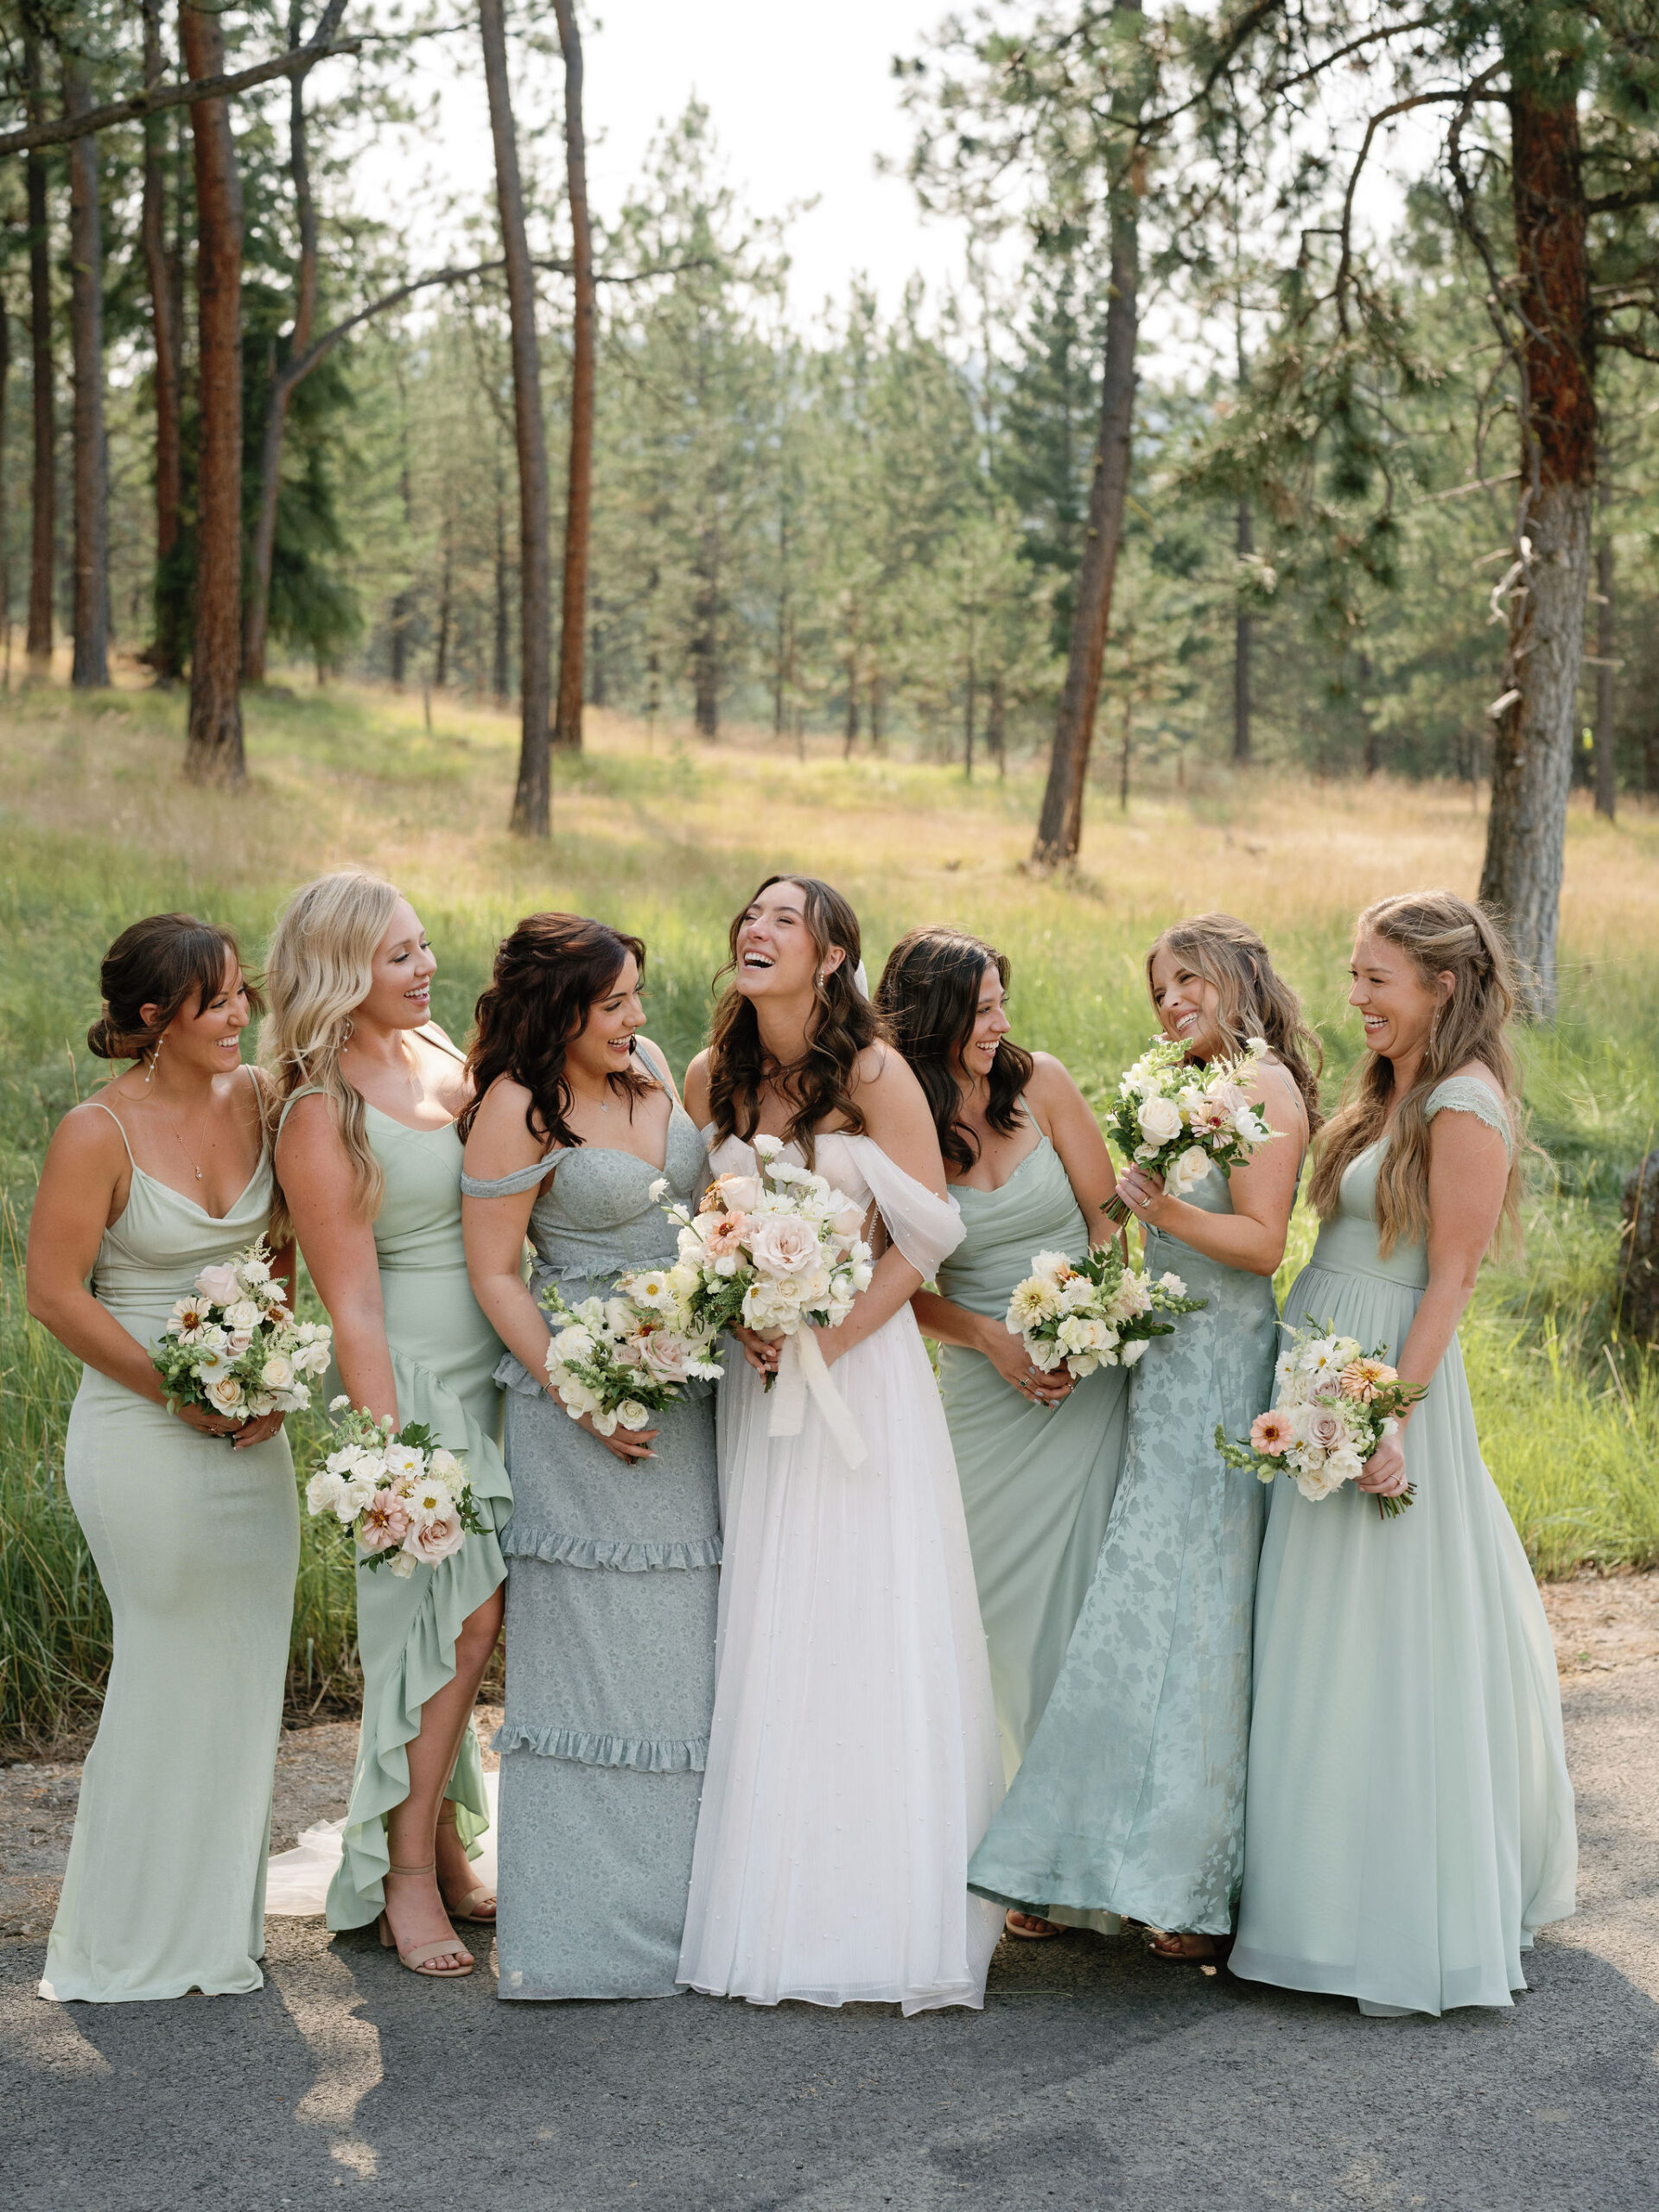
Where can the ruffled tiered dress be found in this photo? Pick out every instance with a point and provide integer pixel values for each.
(613, 1583)
(1409, 1821)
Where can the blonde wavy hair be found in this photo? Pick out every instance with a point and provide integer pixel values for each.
(318, 970)
(1440, 934)
(1253, 1000)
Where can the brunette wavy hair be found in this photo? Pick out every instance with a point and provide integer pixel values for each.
(929, 999)
(1440, 934)
(548, 972)
(162, 960)
(820, 1083)
(1252, 998)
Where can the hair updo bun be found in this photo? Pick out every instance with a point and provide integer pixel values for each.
(165, 962)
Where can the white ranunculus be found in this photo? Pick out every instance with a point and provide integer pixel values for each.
(353, 1497)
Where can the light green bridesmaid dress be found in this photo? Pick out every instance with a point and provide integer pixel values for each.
(443, 1359)
(1037, 1485)
(1410, 1820)
(197, 1546)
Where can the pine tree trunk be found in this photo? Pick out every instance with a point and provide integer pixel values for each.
(92, 662)
(705, 646)
(996, 726)
(213, 752)
(43, 486)
(579, 502)
(1606, 647)
(441, 673)
(532, 797)
(256, 622)
(1243, 637)
(1059, 829)
(166, 652)
(501, 674)
(1532, 759)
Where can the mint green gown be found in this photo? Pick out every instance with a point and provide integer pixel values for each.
(443, 1360)
(1131, 1797)
(1037, 1485)
(1410, 1820)
(197, 1546)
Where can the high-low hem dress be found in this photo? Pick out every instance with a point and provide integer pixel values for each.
(853, 1759)
(612, 1585)
(1409, 1823)
(197, 1546)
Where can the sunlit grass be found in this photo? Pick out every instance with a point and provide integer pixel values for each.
(663, 835)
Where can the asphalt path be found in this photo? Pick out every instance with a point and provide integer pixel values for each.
(1096, 2076)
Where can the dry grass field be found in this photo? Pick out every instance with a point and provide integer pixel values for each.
(665, 834)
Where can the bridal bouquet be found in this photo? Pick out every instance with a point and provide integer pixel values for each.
(622, 1358)
(1082, 1314)
(1176, 1118)
(1337, 1402)
(232, 1346)
(773, 1251)
(407, 1500)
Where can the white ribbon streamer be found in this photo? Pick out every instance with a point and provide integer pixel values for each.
(801, 1368)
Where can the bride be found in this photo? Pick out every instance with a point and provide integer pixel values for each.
(853, 1761)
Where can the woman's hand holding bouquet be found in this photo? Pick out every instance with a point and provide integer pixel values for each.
(1078, 1315)
(1337, 1404)
(613, 1362)
(232, 1349)
(1174, 1119)
(407, 1500)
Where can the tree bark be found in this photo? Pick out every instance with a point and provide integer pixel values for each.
(91, 670)
(500, 673)
(1606, 648)
(43, 486)
(579, 497)
(1536, 715)
(1243, 635)
(996, 726)
(166, 653)
(532, 797)
(1059, 827)
(705, 641)
(213, 752)
(257, 621)
(446, 591)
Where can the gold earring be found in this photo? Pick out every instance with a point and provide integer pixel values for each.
(154, 1056)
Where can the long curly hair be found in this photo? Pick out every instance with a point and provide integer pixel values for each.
(320, 968)
(549, 972)
(929, 999)
(844, 1023)
(1253, 999)
(1440, 933)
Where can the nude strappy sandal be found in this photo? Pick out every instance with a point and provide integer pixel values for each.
(470, 1909)
(419, 1959)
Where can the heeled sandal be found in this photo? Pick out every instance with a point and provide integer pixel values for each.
(419, 1957)
(470, 1906)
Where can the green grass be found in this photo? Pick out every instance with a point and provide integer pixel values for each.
(666, 841)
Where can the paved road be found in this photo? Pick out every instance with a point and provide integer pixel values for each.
(1096, 2076)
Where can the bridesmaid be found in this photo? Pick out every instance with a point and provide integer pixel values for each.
(191, 1517)
(1038, 1456)
(615, 1541)
(369, 1161)
(1410, 1820)
(1131, 1799)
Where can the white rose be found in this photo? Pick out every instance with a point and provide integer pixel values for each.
(353, 1497)
(324, 1491)
(1188, 1171)
(445, 1465)
(225, 1393)
(573, 1345)
(632, 1414)
(241, 1314)
(784, 1246)
(767, 1147)
(1159, 1119)
(1127, 1354)
(861, 1275)
(277, 1373)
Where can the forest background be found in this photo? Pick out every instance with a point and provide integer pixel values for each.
(1236, 493)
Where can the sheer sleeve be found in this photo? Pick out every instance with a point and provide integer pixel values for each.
(1467, 1094)
(925, 1229)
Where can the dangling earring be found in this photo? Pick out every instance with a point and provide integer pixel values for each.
(154, 1056)
(346, 1034)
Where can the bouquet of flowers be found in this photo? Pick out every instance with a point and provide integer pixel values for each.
(232, 1346)
(1092, 1312)
(1176, 1118)
(773, 1251)
(622, 1358)
(407, 1500)
(1337, 1402)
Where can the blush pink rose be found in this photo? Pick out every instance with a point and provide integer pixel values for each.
(220, 1283)
(441, 1535)
(665, 1353)
(736, 1193)
(784, 1245)
(1325, 1429)
(850, 1222)
(383, 1523)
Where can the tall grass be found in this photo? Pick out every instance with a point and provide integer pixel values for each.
(665, 838)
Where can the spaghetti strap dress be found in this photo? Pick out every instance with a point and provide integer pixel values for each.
(197, 1546)
(1410, 1821)
(613, 1584)
(1131, 1799)
(443, 1360)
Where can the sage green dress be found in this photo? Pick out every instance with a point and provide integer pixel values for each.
(1410, 1820)
(443, 1360)
(1037, 1485)
(197, 1546)
(1131, 1798)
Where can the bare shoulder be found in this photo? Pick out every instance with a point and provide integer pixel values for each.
(88, 1141)
(506, 1134)
(696, 1088)
(1052, 1083)
(1271, 1081)
(882, 1074)
(309, 1130)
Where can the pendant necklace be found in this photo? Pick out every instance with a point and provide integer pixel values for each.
(194, 1165)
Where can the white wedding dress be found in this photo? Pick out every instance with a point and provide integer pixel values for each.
(853, 1758)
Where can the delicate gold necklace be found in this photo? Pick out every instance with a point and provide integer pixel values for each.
(194, 1165)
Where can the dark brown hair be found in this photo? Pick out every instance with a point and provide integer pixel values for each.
(1252, 998)
(821, 1084)
(929, 999)
(160, 962)
(548, 975)
(1440, 934)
